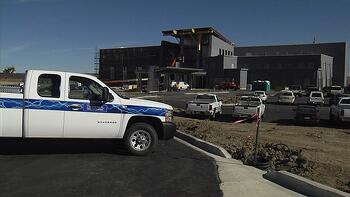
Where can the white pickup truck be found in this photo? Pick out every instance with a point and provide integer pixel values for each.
(70, 105)
(248, 106)
(205, 104)
(341, 110)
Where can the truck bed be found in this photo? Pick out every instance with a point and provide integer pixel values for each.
(11, 112)
(198, 106)
(244, 111)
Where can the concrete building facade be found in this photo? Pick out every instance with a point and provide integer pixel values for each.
(203, 56)
(337, 50)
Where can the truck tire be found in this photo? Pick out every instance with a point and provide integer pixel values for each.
(338, 120)
(331, 118)
(214, 116)
(140, 139)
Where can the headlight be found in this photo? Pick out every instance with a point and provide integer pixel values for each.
(169, 115)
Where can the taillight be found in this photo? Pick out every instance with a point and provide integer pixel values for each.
(210, 107)
(186, 105)
(342, 113)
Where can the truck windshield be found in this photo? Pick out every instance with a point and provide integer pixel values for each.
(205, 97)
(287, 94)
(345, 101)
(335, 88)
(249, 101)
(316, 94)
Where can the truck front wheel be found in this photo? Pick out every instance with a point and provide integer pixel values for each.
(140, 139)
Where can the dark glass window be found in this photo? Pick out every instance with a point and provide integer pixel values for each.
(49, 85)
(84, 88)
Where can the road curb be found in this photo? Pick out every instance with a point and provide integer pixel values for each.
(207, 146)
(302, 185)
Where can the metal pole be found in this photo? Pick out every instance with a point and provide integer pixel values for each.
(256, 141)
(257, 135)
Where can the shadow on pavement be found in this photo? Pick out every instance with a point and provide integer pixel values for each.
(9, 146)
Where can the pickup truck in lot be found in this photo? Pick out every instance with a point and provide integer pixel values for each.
(205, 104)
(341, 110)
(248, 106)
(70, 105)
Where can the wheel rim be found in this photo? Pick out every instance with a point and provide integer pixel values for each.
(140, 140)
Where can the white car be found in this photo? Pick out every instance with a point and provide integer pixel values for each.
(72, 105)
(286, 97)
(179, 85)
(316, 97)
(341, 110)
(336, 90)
(262, 95)
(205, 104)
(248, 106)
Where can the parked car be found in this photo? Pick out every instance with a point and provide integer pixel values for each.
(286, 97)
(262, 95)
(347, 89)
(316, 98)
(296, 89)
(334, 98)
(333, 90)
(341, 110)
(309, 89)
(179, 85)
(227, 86)
(307, 114)
(205, 104)
(248, 106)
(71, 105)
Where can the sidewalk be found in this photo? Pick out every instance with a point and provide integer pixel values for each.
(241, 180)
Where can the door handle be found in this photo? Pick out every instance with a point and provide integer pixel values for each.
(75, 106)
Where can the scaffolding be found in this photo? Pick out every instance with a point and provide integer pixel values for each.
(97, 62)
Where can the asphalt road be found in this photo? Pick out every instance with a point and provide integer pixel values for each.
(100, 168)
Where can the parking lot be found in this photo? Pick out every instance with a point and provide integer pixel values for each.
(325, 146)
(275, 112)
(102, 168)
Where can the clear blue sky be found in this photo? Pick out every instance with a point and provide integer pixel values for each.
(63, 34)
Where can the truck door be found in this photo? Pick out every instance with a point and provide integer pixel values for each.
(87, 116)
(44, 105)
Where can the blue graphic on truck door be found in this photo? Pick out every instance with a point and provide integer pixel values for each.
(79, 106)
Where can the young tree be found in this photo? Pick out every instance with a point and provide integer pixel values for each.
(10, 69)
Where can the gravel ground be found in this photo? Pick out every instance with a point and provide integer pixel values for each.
(318, 153)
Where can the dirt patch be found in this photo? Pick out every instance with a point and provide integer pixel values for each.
(320, 154)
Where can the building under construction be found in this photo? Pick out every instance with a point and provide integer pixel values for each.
(203, 57)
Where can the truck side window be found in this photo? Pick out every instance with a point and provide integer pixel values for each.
(84, 88)
(49, 85)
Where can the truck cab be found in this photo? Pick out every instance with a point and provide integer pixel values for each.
(72, 105)
(340, 111)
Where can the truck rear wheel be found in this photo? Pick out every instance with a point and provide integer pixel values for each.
(214, 115)
(140, 139)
